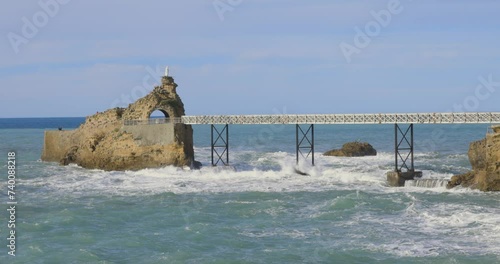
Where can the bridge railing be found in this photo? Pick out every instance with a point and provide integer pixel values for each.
(410, 118)
(152, 121)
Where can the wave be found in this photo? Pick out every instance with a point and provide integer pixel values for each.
(250, 171)
(358, 206)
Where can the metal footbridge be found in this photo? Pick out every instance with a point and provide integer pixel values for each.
(332, 119)
(304, 136)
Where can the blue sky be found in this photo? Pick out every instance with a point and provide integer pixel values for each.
(250, 56)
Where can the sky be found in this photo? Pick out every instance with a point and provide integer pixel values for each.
(71, 58)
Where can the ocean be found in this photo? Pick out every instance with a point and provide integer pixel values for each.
(258, 210)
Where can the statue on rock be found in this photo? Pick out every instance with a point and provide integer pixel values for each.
(123, 139)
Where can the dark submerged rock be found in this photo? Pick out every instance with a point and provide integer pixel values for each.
(353, 149)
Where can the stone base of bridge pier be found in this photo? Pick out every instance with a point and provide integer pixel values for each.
(397, 178)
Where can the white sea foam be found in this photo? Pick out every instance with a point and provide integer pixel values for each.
(264, 172)
(437, 227)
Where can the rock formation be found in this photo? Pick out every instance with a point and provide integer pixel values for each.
(112, 141)
(353, 149)
(484, 156)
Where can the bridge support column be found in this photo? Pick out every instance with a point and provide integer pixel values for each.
(404, 158)
(220, 146)
(304, 142)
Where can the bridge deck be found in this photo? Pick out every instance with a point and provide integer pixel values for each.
(413, 118)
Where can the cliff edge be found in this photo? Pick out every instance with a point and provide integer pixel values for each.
(126, 138)
(484, 156)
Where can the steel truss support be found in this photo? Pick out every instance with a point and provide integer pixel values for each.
(404, 148)
(220, 146)
(305, 142)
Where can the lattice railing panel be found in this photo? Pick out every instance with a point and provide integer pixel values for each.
(413, 118)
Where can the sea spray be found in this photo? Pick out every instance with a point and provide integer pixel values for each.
(344, 212)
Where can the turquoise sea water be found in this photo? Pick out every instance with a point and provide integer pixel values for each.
(258, 211)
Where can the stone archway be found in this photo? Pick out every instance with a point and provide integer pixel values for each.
(158, 113)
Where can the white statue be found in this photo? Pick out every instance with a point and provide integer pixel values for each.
(166, 71)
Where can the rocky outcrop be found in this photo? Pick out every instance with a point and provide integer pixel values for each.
(105, 142)
(484, 156)
(477, 155)
(465, 180)
(353, 149)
